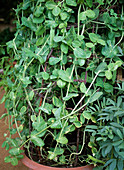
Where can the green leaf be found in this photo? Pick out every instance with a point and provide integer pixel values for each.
(87, 115)
(39, 77)
(28, 23)
(102, 42)
(90, 13)
(112, 165)
(4, 144)
(95, 160)
(58, 151)
(56, 11)
(69, 128)
(37, 141)
(108, 149)
(120, 164)
(7, 159)
(101, 2)
(81, 62)
(38, 20)
(52, 34)
(63, 15)
(31, 95)
(93, 37)
(108, 51)
(26, 80)
(40, 41)
(53, 60)
(51, 155)
(76, 43)
(58, 38)
(95, 97)
(39, 11)
(62, 159)
(96, 38)
(64, 48)
(111, 66)
(108, 87)
(61, 83)
(41, 0)
(118, 63)
(83, 88)
(20, 157)
(12, 95)
(3, 99)
(48, 107)
(77, 124)
(82, 16)
(108, 74)
(119, 102)
(45, 75)
(40, 124)
(50, 4)
(57, 102)
(90, 45)
(116, 125)
(63, 75)
(119, 133)
(14, 151)
(89, 3)
(79, 53)
(57, 113)
(73, 118)
(101, 67)
(56, 125)
(62, 140)
(23, 109)
(44, 110)
(62, 25)
(14, 161)
(36, 133)
(71, 2)
(70, 95)
(121, 154)
(82, 119)
(3, 115)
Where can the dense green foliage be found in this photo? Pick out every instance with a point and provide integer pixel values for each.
(62, 94)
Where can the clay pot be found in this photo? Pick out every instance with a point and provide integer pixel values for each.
(33, 165)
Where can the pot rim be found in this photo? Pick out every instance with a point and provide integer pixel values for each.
(34, 165)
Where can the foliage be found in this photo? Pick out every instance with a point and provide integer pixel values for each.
(67, 54)
(109, 132)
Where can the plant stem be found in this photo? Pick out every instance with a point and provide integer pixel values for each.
(119, 40)
(76, 160)
(86, 92)
(83, 29)
(60, 3)
(43, 46)
(81, 147)
(79, 19)
(28, 100)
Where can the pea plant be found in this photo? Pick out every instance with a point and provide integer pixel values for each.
(67, 54)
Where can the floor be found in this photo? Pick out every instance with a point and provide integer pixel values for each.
(3, 152)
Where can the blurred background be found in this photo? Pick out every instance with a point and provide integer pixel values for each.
(7, 25)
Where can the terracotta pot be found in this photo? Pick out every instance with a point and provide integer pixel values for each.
(33, 165)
